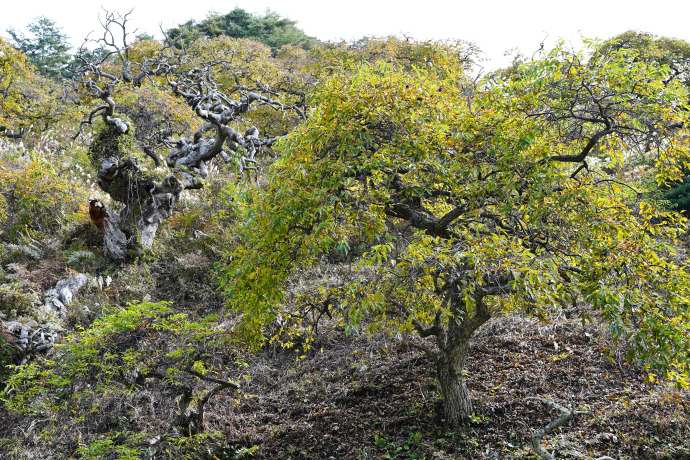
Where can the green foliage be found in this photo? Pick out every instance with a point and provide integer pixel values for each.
(16, 300)
(47, 47)
(478, 198)
(155, 114)
(198, 229)
(671, 52)
(100, 373)
(108, 445)
(28, 102)
(270, 29)
(14, 72)
(34, 196)
(677, 193)
(109, 142)
(75, 257)
(675, 55)
(405, 450)
(437, 57)
(413, 199)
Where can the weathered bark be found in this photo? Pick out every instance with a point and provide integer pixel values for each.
(147, 201)
(57, 299)
(453, 344)
(116, 243)
(457, 405)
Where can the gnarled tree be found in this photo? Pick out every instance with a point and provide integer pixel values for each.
(476, 198)
(147, 196)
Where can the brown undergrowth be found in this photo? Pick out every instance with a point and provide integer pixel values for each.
(376, 397)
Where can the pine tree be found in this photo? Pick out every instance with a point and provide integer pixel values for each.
(47, 47)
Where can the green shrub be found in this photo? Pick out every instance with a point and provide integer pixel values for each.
(17, 299)
(96, 380)
(34, 196)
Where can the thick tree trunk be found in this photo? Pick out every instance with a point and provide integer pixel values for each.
(147, 201)
(457, 406)
(115, 240)
(122, 240)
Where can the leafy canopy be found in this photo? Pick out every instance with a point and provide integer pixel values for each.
(47, 47)
(103, 374)
(14, 71)
(671, 52)
(270, 29)
(675, 54)
(28, 100)
(472, 199)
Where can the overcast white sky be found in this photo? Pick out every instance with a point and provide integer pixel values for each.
(494, 25)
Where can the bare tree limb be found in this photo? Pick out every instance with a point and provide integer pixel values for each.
(566, 416)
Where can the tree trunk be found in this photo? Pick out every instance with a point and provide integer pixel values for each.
(457, 406)
(122, 240)
(115, 240)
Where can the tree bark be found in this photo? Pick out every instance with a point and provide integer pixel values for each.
(115, 240)
(457, 405)
(453, 343)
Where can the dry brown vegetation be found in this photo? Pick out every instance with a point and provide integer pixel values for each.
(376, 397)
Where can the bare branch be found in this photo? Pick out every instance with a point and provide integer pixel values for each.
(148, 202)
(566, 416)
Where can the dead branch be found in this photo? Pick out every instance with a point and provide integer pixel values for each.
(57, 299)
(27, 340)
(566, 416)
(147, 200)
